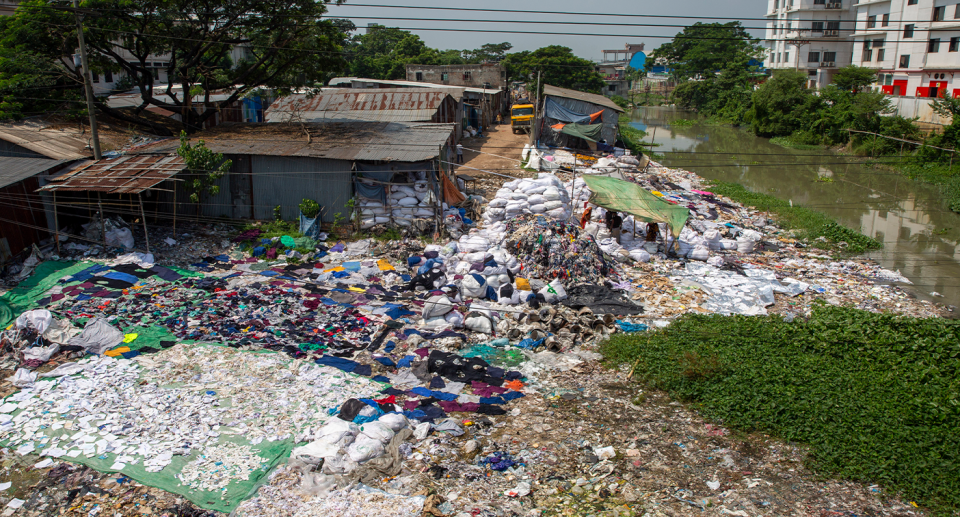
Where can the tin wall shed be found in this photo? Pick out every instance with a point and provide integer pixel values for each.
(256, 184)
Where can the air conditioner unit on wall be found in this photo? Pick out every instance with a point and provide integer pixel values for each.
(828, 64)
(828, 33)
(834, 5)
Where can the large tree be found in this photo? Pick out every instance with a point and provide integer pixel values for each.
(557, 65)
(230, 47)
(706, 48)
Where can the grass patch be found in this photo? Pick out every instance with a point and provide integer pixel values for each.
(809, 225)
(786, 141)
(631, 136)
(684, 122)
(876, 396)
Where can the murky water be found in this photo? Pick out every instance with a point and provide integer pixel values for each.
(920, 234)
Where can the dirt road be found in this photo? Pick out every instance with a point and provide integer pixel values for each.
(499, 152)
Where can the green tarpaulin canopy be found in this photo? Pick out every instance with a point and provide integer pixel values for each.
(589, 132)
(630, 198)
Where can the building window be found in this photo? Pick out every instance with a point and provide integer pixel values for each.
(871, 21)
(877, 43)
(867, 54)
(880, 55)
(466, 76)
(778, 58)
(420, 76)
(833, 26)
(905, 61)
(933, 46)
(908, 30)
(954, 44)
(817, 27)
(776, 4)
(786, 57)
(888, 79)
(819, 2)
(885, 21)
(444, 77)
(612, 87)
(911, 2)
(956, 12)
(108, 76)
(829, 56)
(939, 13)
(813, 57)
(96, 77)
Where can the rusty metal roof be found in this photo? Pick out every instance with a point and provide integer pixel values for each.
(368, 105)
(58, 144)
(386, 141)
(128, 174)
(599, 100)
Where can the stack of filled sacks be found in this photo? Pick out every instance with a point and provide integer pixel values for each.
(488, 275)
(404, 204)
(544, 195)
(340, 446)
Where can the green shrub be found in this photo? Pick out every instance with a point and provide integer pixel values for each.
(877, 396)
(309, 208)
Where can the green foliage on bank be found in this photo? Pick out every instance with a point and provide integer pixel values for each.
(876, 396)
(809, 225)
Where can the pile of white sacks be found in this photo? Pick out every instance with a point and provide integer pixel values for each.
(543, 196)
(404, 205)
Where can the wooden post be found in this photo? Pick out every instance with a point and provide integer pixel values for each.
(56, 222)
(146, 236)
(174, 211)
(103, 231)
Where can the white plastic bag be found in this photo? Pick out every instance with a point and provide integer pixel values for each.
(395, 421)
(554, 292)
(120, 238)
(364, 449)
(38, 319)
(437, 306)
(378, 431)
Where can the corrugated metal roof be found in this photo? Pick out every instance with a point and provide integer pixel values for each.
(13, 169)
(367, 105)
(387, 141)
(599, 100)
(413, 84)
(128, 174)
(58, 144)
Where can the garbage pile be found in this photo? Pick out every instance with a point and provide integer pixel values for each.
(552, 249)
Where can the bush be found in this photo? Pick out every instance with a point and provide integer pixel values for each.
(309, 208)
(620, 101)
(877, 396)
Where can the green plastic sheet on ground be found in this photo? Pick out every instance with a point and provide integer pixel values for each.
(496, 356)
(630, 198)
(24, 296)
(589, 132)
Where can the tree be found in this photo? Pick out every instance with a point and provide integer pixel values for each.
(634, 77)
(231, 47)
(781, 105)
(705, 48)
(489, 52)
(204, 167)
(558, 66)
(854, 78)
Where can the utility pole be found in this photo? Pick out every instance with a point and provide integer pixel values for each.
(88, 83)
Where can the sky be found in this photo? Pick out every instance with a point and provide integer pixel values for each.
(588, 47)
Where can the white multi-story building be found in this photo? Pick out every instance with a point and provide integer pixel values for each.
(812, 36)
(915, 44)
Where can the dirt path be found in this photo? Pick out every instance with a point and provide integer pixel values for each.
(499, 152)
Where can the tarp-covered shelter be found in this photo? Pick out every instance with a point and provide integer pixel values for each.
(630, 198)
(576, 120)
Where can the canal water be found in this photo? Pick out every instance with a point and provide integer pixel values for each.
(920, 234)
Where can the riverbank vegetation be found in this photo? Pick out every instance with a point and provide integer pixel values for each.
(808, 225)
(875, 396)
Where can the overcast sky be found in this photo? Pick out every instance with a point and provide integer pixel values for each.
(556, 34)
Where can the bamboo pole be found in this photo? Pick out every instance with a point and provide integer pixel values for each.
(143, 215)
(56, 222)
(103, 231)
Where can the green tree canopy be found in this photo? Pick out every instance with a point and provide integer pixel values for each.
(781, 105)
(854, 78)
(705, 48)
(231, 47)
(558, 66)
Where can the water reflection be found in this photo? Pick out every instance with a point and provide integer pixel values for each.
(919, 233)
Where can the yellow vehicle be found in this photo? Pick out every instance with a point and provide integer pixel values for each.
(521, 117)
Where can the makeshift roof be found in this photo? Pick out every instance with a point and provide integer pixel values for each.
(128, 174)
(414, 84)
(58, 144)
(599, 100)
(386, 141)
(624, 196)
(360, 104)
(14, 169)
